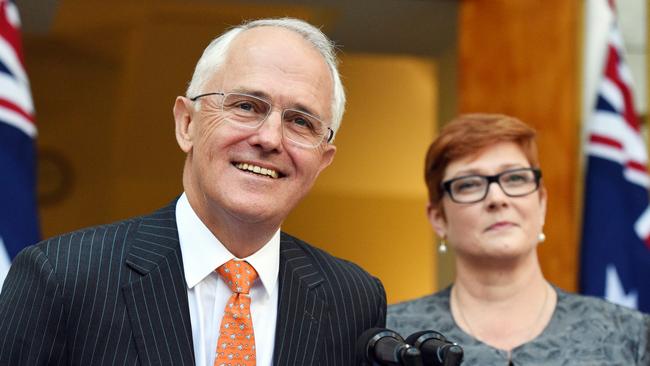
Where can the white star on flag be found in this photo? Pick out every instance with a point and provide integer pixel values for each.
(614, 291)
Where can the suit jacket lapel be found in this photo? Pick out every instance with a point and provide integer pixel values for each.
(302, 313)
(157, 301)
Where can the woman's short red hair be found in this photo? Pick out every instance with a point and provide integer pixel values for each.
(468, 135)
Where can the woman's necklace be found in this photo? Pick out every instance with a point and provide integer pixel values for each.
(459, 306)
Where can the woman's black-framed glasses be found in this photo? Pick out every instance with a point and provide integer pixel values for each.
(474, 188)
(249, 111)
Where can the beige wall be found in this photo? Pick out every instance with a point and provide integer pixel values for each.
(104, 85)
(369, 206)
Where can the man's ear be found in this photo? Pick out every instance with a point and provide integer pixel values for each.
(327, 157)
(437, 219)
(183, 123)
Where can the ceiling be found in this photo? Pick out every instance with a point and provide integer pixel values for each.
(417, 27)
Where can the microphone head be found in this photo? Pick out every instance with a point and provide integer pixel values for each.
(367, 340)
(454, 355)
(436, 349)
(416, 339)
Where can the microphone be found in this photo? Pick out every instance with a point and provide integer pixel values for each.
(436, 349)
(385, 347)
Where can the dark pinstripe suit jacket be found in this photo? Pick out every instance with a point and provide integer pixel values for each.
(116, 295)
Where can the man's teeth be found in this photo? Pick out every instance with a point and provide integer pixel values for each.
(257, 169)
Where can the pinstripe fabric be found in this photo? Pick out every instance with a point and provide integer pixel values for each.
(325, 304)
(116, 295)
(107, 295)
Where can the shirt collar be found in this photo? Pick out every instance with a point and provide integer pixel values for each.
(202, 252)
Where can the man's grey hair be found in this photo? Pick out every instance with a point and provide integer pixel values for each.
(215, 55)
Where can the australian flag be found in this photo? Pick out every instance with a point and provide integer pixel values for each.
(18, 217)
(615, 253)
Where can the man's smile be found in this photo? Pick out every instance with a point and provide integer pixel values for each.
(256, 169)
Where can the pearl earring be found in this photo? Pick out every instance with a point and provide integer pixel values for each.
(541, 237)
(442, 247)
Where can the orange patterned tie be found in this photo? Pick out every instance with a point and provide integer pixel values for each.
(236, 346)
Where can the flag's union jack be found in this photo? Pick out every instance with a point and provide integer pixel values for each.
(18, 219)
(615, 258)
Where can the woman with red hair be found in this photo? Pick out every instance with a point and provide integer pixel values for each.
(500, 308)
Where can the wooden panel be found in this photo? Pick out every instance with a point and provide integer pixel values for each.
(521, 58)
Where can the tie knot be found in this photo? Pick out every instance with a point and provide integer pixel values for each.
(239, 275)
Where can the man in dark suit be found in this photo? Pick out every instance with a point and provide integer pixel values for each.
(257, 125)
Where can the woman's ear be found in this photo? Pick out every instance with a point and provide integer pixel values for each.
(437, 220)
(543, 198)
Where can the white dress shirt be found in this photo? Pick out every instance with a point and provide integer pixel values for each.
(203, 253)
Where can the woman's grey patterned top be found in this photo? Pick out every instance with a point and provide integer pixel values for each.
(582, 331)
